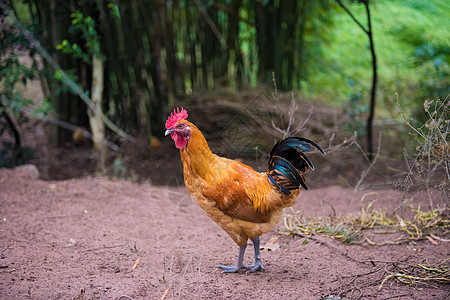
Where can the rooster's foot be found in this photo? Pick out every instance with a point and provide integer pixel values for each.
(257, 266)
(239, 265)
(230, 269)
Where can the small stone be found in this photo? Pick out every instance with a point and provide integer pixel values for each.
(27, 172)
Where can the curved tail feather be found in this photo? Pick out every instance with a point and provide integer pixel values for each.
(288, 163)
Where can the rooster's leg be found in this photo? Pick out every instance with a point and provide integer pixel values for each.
(239, 265)
(257, 266)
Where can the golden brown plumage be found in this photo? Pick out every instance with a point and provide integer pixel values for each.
(243, 202)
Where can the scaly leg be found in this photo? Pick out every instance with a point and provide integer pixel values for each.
(240, 262)
(257, 266)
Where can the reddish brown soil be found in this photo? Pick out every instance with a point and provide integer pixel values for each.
(79, 239)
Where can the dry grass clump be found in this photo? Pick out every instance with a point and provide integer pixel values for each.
(432, 225)
(420, 274)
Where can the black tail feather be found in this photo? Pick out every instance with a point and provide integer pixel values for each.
(288, 163)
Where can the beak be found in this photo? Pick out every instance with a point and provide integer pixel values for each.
(169, 131)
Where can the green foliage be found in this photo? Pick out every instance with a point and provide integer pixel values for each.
(435, 59)
(119, 170)
(355, 108)
(114, 10)
(63, 87)
(159, 52)
(412, 47)
(14, 72)
(43, 110)
(11, 155)
(86, 25)
(74, 50)
(15, 75)
(14, 103)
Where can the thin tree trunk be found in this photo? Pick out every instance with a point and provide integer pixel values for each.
(369, 32)
(374, 85)
(96, 122)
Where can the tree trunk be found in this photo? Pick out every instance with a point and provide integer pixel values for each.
(95, 121)
(374, 85)
(369, 34)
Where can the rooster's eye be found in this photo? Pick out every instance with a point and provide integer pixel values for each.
(180, 126)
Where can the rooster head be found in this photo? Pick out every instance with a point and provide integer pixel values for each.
(178, 127)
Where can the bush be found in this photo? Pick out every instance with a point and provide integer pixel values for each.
(431, 164)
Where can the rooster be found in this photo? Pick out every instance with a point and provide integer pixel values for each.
(243, 202)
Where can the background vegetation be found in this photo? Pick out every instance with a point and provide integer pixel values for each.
(153, 54)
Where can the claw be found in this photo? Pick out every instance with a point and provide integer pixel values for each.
(230, 269)
(239, 265)
(255, 267)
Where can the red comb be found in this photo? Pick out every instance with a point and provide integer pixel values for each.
(175, 117)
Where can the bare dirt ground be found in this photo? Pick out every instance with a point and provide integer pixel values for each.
(97, 238)
(81, 238)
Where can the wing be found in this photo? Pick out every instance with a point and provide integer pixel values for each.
(239, 191)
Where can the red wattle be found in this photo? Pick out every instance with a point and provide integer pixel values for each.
(180, 141)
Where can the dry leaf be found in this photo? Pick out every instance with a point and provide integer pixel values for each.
(273, 240)
(165, 294)
(431, 240)
(272, 244)
(136, 263)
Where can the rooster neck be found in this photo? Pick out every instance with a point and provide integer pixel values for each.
(196, 156)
